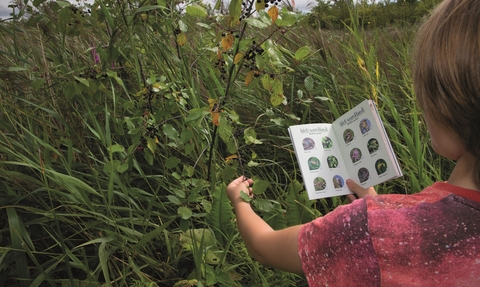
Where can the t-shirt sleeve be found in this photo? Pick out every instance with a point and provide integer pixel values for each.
(336, 249)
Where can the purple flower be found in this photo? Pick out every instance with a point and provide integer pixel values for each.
(95, 56)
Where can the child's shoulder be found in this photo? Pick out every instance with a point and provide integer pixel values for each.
(433, 193)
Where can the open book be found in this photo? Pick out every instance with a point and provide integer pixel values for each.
(354, 146)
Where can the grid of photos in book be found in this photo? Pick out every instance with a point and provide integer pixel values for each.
(325, 172)
(362, 147)
(359, 144)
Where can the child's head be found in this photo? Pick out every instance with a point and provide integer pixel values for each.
(446, 71)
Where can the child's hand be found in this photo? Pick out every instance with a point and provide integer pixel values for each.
(359, 191)
(238, 185)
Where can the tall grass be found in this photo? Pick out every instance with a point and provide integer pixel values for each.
(106, 162)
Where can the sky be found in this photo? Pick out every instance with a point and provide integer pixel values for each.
(302, 5)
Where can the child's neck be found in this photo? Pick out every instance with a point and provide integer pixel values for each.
(462, 174)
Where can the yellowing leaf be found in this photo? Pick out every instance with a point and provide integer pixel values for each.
(276, 99)
(229, 158)
(216, 118)
(238, 58)
(212, 102)
(273, 13)
(227, 42)
(249, 78)
(181, 39)
(267, 82)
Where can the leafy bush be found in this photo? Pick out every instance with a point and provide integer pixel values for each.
(121, 123)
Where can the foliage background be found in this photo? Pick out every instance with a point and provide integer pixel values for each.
(122, 122)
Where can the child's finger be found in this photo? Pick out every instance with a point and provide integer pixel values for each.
(358, 190)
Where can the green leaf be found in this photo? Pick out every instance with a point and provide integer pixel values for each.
(207, 205)
(300, 94)
(277, 96)
(37, 84)
(196, 11)
(186, 135)
(107, 14)
(148, 8)
(256, 23)
(37, 3)
(203, 25)
(83, 81)
(276, 99)
(286, 18)
(17, 231)
(235, 11)
(279, 122)
(184, 212)
(275, 218)
(220, 216)
(322, 98)
(278, 86)
(111, 165)
(188, 170)
(63, 4)
(152, 145)
(148, 155)
(170, 131)
(245, 196)
(116, 148)
(250, 136)
(16, 69)
(309, 83)
(147, 238)
(264, 205)
(260, 5)
(197, 114)
(298, 205)
(174, 199)
(103, 255)
(122, 168)
(260, 186)
(267, 82)
(172, 162)
(260, 61)
(182, 26)
(225, 129)
(228, 173)
(302, 52)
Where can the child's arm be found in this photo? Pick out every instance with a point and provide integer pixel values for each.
(279, 248)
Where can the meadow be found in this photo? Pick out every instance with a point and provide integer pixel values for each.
(121, 125)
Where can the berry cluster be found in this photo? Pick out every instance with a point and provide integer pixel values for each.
(149, 95)
(77, 11)
(247, 6)
(247, 9)
(151, 131)
(221, 67)
(271, 2)
(249, 58)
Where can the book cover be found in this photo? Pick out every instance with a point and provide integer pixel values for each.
(355, 146)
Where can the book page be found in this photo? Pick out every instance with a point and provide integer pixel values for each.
(320, 160)
(367, 151)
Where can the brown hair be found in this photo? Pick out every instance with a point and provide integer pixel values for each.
(446, 71)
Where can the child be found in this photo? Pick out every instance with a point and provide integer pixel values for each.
(427, 239)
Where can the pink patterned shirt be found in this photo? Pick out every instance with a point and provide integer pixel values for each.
(427, 239)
